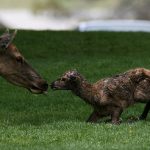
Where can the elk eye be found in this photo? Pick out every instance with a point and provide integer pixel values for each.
(19, 59)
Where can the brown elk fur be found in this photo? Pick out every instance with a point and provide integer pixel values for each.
(109, 96)
(15, 69)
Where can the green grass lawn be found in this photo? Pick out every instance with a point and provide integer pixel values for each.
(57, 120)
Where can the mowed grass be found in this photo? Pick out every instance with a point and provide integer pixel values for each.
(57, 120)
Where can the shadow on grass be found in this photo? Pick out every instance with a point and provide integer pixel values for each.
(47, 113)
(19, 118)
(40, 110)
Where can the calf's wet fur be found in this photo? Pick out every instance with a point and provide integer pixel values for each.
(109, 96)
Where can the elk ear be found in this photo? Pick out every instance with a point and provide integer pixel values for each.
(5, 34)
(11, 38)
(7, 31)
(7, 38)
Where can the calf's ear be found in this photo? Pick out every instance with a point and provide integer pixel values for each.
(73, 77)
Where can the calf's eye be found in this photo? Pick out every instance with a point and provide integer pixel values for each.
(63, 79)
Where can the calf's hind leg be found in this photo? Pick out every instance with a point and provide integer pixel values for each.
(145, 112)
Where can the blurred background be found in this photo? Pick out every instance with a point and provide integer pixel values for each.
(80, 15)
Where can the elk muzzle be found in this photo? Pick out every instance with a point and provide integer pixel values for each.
(39, 87)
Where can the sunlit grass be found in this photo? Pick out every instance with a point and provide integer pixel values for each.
(57, 120)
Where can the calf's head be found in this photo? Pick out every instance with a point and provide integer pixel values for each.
(68, 81)
(15, 69)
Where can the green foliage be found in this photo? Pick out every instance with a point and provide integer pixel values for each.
(57, 120)
(133, 9)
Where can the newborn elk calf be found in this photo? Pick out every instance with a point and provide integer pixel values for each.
(15, 69)
(109, 96)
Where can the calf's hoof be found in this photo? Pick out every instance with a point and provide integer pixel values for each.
(116, 122)
(133, 119)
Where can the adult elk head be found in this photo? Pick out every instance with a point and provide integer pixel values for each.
(15, 69)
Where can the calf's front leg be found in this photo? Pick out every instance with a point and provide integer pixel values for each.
(93, 118)
(115, 116)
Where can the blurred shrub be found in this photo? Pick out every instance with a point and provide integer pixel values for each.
(135, 9)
